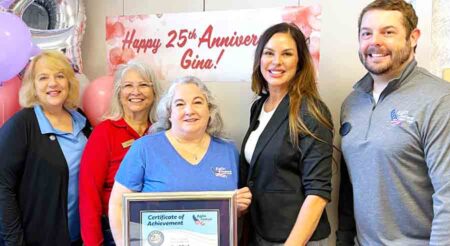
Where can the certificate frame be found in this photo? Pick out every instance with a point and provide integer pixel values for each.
(136, 205)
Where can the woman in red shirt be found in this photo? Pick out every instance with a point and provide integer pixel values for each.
(132, 112)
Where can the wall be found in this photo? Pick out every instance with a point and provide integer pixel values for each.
(440, 55)
(339, 64)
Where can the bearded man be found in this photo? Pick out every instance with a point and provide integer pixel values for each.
(395, 184)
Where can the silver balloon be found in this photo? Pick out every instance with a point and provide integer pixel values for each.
(54, 24)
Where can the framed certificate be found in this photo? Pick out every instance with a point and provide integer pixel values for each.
(180, 219)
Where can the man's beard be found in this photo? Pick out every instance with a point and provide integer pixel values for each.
(398, 58)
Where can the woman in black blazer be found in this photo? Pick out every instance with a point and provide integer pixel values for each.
(286, 155)
(40, 151)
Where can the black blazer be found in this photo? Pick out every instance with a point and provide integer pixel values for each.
(33, 184)
(281, 176)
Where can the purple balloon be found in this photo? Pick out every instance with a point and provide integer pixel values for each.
(6, 3)
(15, 45)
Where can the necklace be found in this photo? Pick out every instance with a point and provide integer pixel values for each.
(195, 151)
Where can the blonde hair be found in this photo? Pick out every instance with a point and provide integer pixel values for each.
(116, 108)
(55, 61)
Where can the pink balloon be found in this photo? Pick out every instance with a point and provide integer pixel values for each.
(97, 98)
(9, 98)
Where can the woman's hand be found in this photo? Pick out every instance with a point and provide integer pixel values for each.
(307, 220)
(115, 211)
(243, 200)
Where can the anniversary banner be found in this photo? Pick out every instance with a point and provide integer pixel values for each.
(214, 46)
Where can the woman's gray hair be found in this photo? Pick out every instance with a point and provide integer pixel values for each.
(164, 109)
(144, 70)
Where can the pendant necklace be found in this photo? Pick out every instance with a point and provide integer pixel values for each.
(193, 153)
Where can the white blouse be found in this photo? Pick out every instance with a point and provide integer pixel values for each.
(252, 140)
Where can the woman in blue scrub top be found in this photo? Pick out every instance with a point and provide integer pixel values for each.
(187, 152)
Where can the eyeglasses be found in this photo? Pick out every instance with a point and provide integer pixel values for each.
(129, 86)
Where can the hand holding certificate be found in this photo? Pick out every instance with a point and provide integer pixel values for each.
(179, 219)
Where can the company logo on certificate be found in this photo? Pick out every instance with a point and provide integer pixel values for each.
(162, 228)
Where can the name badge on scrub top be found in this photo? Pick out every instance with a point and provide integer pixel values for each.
(127, 143)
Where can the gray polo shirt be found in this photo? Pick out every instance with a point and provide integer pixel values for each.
(398, 156)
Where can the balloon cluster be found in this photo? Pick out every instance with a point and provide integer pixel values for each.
(51, 25)
(28, 26)
(54, 24)
(16, 49)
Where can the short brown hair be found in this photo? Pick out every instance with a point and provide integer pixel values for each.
(409, 15)
(58, 61)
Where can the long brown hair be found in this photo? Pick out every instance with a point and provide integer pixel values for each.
(302, 88)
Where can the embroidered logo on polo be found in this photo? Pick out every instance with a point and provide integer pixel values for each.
(221, 172)
(399, 117)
